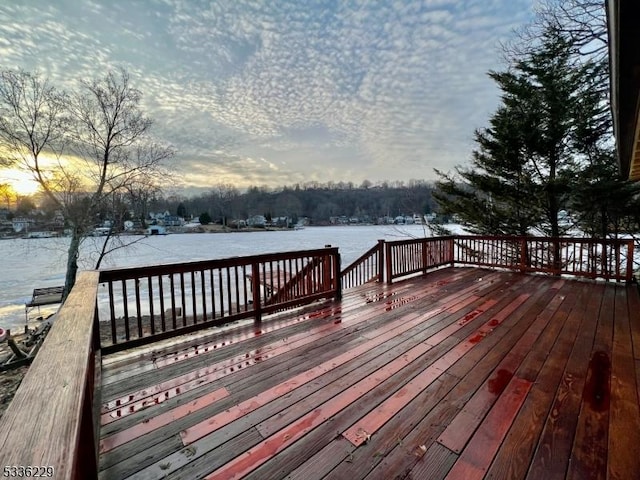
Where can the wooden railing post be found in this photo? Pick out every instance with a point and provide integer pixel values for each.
(452, 250)
(336, 275)
(380, 261)
(255, 289)
(425, 256)
(327, 283)
(604, 263)
(524, 255)
(557, 260)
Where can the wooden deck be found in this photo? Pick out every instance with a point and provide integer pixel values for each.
(465, 373)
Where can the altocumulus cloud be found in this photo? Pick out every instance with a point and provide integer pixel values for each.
(272, 92)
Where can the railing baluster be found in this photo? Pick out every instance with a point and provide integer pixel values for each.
(228, 291)
(630, 248)
(173, 301)
(255, 288)
(136, 283)
(125, 310)
(152, 320)
(213, 294)
(194, 301)
(203, 294)
(220, 289)
(235, 273)
(183, 300)
(161, 292)
(244, 287)
(112, 310)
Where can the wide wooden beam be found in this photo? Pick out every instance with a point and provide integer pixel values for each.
(43, 424)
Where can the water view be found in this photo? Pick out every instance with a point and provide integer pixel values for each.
(38, 263)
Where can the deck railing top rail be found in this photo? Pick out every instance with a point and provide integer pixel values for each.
(147, 304)
(609, 259)
(112, 274)
(49, 425)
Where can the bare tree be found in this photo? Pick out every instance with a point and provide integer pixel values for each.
(7, 195)
(31, 120)
(96, 142)
(582, 22)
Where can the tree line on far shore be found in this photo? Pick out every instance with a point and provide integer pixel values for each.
(320, 204)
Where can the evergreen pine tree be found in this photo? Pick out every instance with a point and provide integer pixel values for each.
(526, 160)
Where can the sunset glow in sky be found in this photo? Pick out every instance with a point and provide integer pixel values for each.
(274, 93)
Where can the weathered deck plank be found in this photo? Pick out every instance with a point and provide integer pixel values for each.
(464, 370)
(478, 368)
(589, 451)
(624, 422)
(143, 444)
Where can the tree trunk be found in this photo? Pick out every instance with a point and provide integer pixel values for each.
(72, 262)
(555, 228)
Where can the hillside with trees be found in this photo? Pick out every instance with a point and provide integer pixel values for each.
(320, 204)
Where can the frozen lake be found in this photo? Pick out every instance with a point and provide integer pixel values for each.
(36, 263)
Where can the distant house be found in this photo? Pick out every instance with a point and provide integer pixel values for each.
(173, 221)
(280, 221)
(257, 221)
(341, 220)
(156, 230)
(237, 223)
(58, 219)
(22, 224)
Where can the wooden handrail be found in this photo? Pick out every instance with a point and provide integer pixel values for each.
(147, 304)
(50, 421)
(410, 257)
(609, 259)
(581, 257)
(368, 267)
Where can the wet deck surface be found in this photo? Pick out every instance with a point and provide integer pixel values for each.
(465, 373)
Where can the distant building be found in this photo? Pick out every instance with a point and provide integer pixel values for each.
(280, 221)
(156, 230)
(22, 224)
(58, 219)
(257, 221)
(173, 221)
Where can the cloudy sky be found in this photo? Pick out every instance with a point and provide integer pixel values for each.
(272, 92)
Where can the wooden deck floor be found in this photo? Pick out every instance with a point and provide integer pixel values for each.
(463, 374)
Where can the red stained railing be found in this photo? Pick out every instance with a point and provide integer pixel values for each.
(144, 304)
(367, 268)
(610, 259)
(409, 257)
